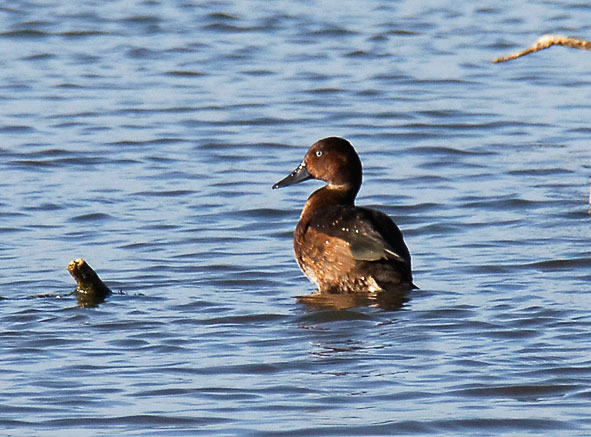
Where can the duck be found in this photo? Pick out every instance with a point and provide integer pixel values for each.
(340, 247)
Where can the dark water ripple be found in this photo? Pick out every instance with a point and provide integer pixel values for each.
(146, 140)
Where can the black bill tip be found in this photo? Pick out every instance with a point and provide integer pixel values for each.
(300, 174)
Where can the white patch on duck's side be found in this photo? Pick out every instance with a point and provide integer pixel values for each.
(309, 273)
(371, 284)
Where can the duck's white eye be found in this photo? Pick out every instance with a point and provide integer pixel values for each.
(319, 153)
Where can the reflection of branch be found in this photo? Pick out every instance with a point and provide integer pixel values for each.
(548, 41)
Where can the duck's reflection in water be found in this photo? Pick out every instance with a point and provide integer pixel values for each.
(390, 300)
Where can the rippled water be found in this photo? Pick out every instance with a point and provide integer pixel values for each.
(145, 138)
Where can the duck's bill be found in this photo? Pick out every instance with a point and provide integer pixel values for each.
(300, 174)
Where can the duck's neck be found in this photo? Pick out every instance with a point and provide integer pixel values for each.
(328, 196)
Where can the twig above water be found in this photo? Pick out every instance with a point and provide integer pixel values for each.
(547, 41)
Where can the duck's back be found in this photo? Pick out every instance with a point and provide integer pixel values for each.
(343, 248)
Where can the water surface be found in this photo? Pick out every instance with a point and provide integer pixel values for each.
(145, 138)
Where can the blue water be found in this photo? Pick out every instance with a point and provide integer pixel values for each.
(145, 137)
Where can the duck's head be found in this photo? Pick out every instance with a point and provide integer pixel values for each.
(332, 160)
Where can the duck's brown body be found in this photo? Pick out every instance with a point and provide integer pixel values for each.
(340, 247)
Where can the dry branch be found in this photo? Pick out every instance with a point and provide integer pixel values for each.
(547, 41)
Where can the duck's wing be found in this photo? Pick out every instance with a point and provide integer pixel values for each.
(371, 235)
(369, 249)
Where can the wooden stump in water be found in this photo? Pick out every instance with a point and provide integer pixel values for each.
(90, 290)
